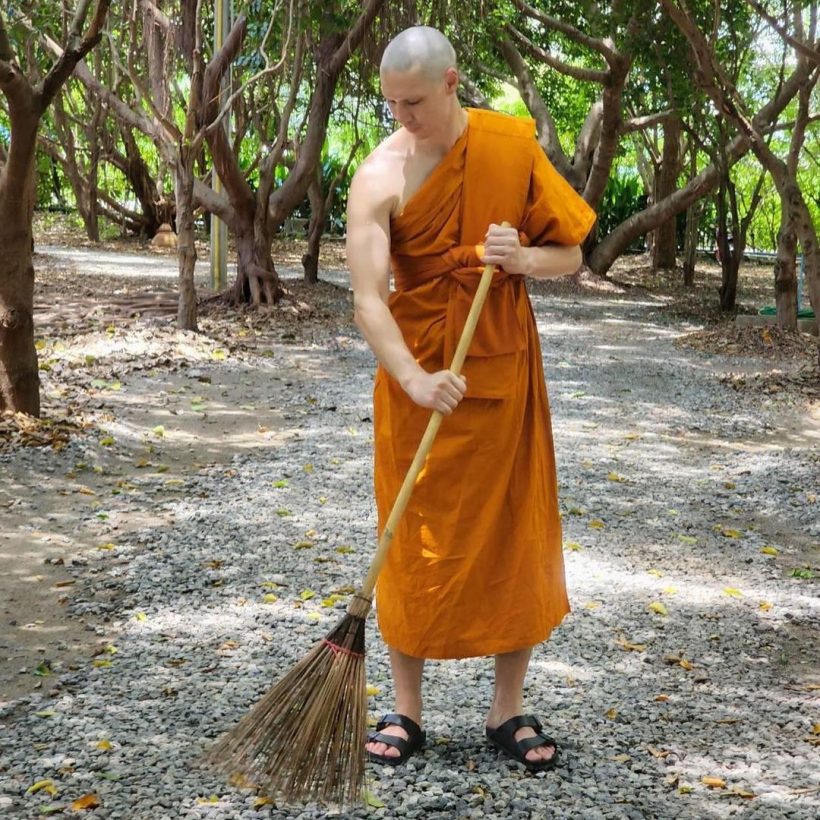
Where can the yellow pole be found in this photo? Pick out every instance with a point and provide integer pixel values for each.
(219, 230)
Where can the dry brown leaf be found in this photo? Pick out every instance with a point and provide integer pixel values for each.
(713, 782)
(741, 792)
(630, 647)
(661, 698)
(88, 801)
(659, 753)
(612, 713)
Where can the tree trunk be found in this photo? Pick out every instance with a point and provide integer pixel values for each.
(785, 273)
(310, 261)
(693, 213)
(186, 245)
(19, 377)
(665, 249)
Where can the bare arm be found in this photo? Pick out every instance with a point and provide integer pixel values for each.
(502, 247)
(368, 257)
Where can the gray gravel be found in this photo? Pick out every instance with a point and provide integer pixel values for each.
(671, 485)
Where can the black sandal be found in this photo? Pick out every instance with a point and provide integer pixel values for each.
(504, 738)
(416, 738)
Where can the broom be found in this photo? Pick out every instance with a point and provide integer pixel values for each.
(304, 739)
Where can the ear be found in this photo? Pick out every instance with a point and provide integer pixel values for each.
(451, 80)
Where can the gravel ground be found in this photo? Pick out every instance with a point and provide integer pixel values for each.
(690, 653)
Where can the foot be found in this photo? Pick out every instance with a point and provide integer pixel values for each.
(540, 755)
(406, 738)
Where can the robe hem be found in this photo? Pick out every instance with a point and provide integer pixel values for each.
(459, 651)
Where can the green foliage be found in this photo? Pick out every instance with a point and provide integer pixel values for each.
(623, 197)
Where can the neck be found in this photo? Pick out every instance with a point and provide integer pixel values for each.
(451, 130)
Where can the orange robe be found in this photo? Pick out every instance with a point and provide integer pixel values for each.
(475, 567)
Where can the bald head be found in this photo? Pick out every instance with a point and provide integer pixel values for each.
(421, 48)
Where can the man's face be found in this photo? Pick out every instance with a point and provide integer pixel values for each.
(415, 101)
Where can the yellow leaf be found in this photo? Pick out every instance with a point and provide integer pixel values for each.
(685, 790)
(623, 758)
(314, 616)
(140, 616)
(303, 545)
(204, 801)
(769, 550)
(101, 664)
(372, 691)
(658, 608)
(43, 785)
(344, 550)
(632, 436)
(670, 590)
(656, 572)
(630, 647)
(372, 800)
(596, 524)
(612, 713)
(815, 730)
(687, 665)
(107, 547)
(219, 355)
(729, 485)
(107, 441)
(592, 605)
(86, 491)
(572, 546)
(308, 468)
(659, 753)
(729, 533)
(732, 592)
(307, 594)
(241, 781)
(111, 649)
(662, 698)
(613, 476)
(741, 792)
(158, 431)
(713, 782)
(687, 539)
(40, 344)
(105, 746)
(269, 598)
(262, 801)
(765, 606)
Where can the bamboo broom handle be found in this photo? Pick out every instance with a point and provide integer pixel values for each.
(399, 505)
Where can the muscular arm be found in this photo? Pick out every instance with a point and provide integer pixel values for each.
(502, 247)
(368, 258)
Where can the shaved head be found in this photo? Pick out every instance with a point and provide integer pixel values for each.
(421, 48)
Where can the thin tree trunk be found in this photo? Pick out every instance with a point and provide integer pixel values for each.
(693, 213)
(186, 245)
(310, 261)
(666, 241)
(785, 275)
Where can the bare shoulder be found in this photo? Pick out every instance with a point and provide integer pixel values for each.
(376, 185)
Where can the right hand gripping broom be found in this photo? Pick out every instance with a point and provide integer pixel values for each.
(305, 738)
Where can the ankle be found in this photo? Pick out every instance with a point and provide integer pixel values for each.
(410, 707)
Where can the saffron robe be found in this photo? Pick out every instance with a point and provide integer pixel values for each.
(475, 566)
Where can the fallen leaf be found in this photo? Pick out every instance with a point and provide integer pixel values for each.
(140, 616)
(730, 533)
(729, 485)
(262, 801)
(372, 691)
(765, 606)
(630, 647)
(105, 746)
(158, 431)
(303, 545)
(662, 698)
(308, 468)
(741, 792)
(281, 484)
(592, 605)
(769, 550)
(815, 730)
(685, 790)
(613, 476)
(219, 355)
(687, 539)
(732, 592)
(658, 608)
(687, 665)
(269, 598)
(670, 590)
(307, 594)
(88, 801)
(205, 801)
(713, 782)
(622, 758)
(612, 713)
(344, 550)
(596, 524)
(372, 800)
(572, 546)
(46, 713)
(101, 664)
(241, 781)
(656, 572)
(659, 753)
(44, 786)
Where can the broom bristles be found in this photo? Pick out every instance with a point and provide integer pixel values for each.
(305, 738)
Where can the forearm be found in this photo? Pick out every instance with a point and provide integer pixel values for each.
(549, 261)
(379, 328)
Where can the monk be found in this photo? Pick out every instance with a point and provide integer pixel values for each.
(475, 567)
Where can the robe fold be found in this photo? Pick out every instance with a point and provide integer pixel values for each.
(475, 567)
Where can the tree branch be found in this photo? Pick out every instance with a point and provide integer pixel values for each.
(809, 52)
(578, 73)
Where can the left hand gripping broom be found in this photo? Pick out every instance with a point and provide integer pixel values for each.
(305, 738)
